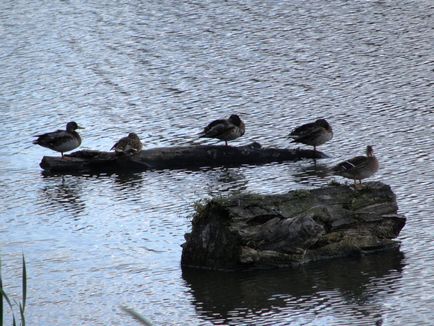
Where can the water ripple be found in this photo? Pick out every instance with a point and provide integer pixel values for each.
(164, 71)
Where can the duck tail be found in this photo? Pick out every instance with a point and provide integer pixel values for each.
(336, 169)
(290, 136)
(343, 167)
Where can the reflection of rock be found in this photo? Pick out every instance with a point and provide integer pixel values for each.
(216, 294)
(292, 229)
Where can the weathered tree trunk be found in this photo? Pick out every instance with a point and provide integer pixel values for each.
(257, 231)
(173, 158)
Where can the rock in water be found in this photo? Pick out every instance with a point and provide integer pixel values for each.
(261, 231)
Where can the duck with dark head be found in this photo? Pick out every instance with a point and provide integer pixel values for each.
(313, 133)
(61, 140)
(224, 129)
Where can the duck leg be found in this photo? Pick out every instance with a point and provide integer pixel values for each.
(358, 186)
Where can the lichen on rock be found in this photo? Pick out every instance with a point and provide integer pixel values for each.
(258, 231)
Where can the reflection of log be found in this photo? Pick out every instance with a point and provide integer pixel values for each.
(173, 158)
(293, 228)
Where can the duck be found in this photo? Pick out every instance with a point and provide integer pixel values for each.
(224, 129)
(359, 167)
(313, 133)
(61, 140)
(128, 145)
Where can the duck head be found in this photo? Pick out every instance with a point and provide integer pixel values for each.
(369, 151)
(323, 123)
(71, 126)
(235, 119)
(133, 135)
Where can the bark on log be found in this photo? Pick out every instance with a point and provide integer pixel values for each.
(90, 161)
(254, 231)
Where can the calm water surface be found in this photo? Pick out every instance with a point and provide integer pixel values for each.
(164, 69)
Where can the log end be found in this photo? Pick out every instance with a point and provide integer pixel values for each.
(83, 161)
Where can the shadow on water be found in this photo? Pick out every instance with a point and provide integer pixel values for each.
(218, 294)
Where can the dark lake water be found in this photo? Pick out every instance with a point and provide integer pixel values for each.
(164, 69)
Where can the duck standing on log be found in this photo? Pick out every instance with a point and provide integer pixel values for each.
(313, 134)
(224, 129)
(359, 167)
(128, 145)
(61, 140)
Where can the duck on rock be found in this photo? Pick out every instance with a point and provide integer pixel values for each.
(359, 167)
(61, 140)
(224, 129)
(313, 134)
(128, 145)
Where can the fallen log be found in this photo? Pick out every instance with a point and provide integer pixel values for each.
(88, 161)
(256, 231)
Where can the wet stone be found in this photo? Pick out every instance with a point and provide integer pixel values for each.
(252, 231)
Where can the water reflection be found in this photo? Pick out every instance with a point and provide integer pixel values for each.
(361, 64)
(62, 192)
(312, 172)
(128, 181)
(226, 180)
(357, 280)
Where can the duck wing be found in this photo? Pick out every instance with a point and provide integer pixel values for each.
(304, 130)
(115, 146)
(120, 145)
(314, 133)
(53, 139)
(216, 128)
(353, 164)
